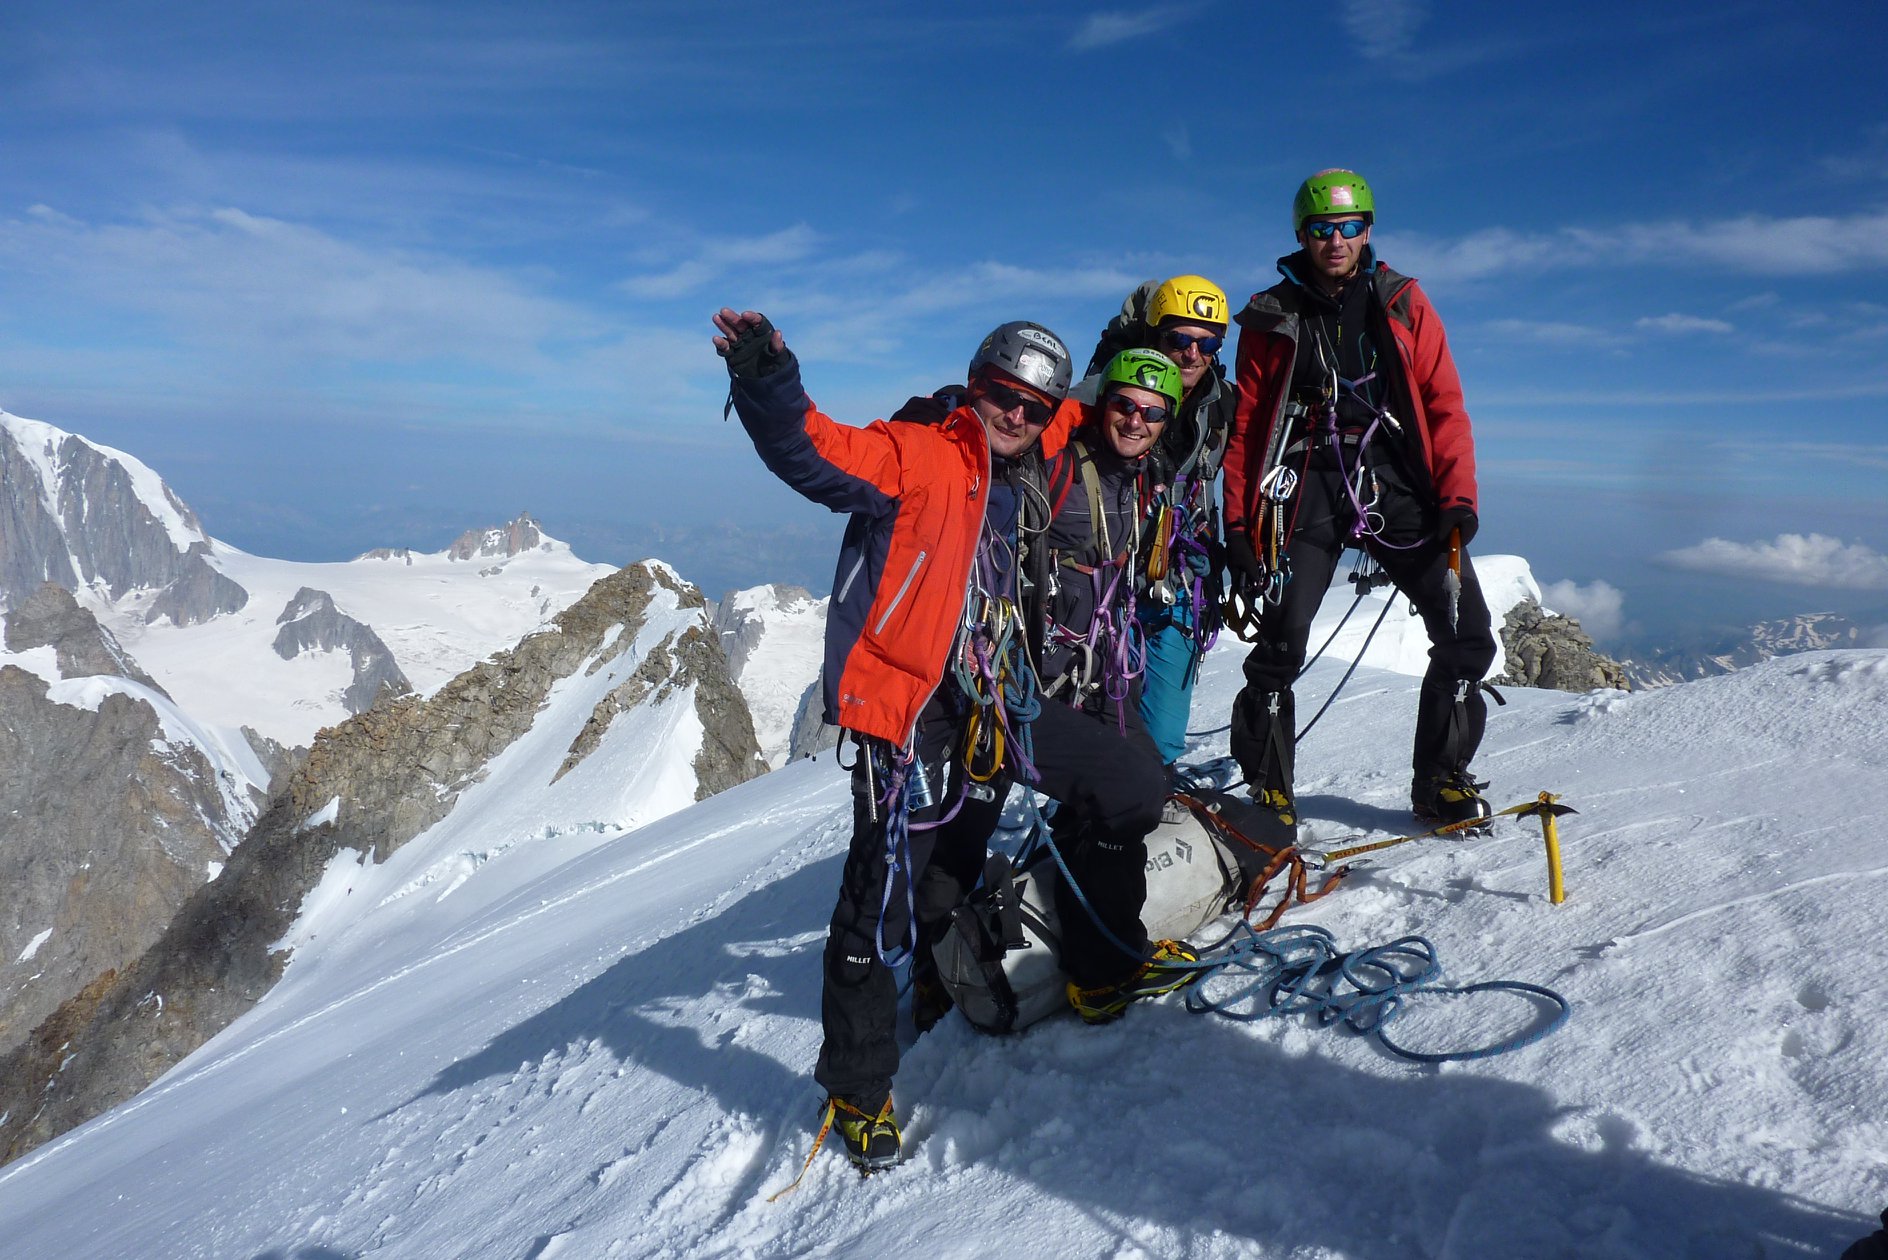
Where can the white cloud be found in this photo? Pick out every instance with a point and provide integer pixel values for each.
(1682, 324)
(1384, 29)
(1599, 607)
(1795, 559)
(1120, 25)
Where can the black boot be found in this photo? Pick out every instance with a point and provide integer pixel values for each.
(1450, 799)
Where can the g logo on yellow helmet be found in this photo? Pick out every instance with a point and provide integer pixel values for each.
(1187, 300)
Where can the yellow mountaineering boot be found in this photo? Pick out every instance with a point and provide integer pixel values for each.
(1151, 979)
(870, 1135)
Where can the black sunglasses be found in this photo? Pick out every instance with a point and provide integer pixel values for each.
(1003, 398)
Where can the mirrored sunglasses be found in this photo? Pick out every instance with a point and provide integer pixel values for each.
(1349, 229)
(1182, 342)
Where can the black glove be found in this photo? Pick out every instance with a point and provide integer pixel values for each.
(1454, 518)
(750, 354)
(930, 408)
(1241, 560)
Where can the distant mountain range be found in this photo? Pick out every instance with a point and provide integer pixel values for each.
(1805, 632)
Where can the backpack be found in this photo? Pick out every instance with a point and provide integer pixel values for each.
(1000, 957)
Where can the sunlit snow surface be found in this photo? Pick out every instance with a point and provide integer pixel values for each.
(598, 1042)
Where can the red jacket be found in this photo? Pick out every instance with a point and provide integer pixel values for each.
(917, 494)
(1268, 346)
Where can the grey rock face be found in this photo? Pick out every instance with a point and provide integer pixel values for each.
(86, 523)
(105, 830)
(395, 769)
(311, 623)
(50, 617)
(404, 554)
(503, 541)
(811, 734)
(197, 594)
(1552, 651)
(279, 760)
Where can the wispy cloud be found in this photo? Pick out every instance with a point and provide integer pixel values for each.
(1793, 559)
(1384, 29)
(1680, 324)
(1116, 26)
(280, 292)
(1552, 333)
(1599, 607)
(717, 257)
(1810, 245)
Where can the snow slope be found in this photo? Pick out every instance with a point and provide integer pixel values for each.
(598, 1042)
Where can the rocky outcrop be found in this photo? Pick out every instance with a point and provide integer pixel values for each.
(498, 543)
(50, 617)
(311, 623)
(106, 828)
(197, 594)
(403, 554)
(389, 773)
(1550, 650)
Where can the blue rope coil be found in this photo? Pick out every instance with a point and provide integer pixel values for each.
(1299, 970)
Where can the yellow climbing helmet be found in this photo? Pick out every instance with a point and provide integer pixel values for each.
(1188, 300)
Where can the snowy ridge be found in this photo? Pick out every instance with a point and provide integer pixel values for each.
(598, 1043)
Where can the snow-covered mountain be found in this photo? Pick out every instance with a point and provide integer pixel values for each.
(524, 1035)
(1785, 636)
(617, 714)
(774, 637)
(282, 647)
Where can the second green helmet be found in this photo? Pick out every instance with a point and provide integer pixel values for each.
(1336, 191)
(1144, 369)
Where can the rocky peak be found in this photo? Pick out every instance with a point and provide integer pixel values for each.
(50, 617)
(498, 543)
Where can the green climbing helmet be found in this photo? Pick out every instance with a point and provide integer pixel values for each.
(1336, 191)
(1144, 369)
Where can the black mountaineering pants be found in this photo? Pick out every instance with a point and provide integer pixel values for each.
(1445, 741)
(1111, 789)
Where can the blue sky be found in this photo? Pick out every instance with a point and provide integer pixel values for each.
(353, 274)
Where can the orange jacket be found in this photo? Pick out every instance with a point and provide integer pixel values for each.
(917, 495)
